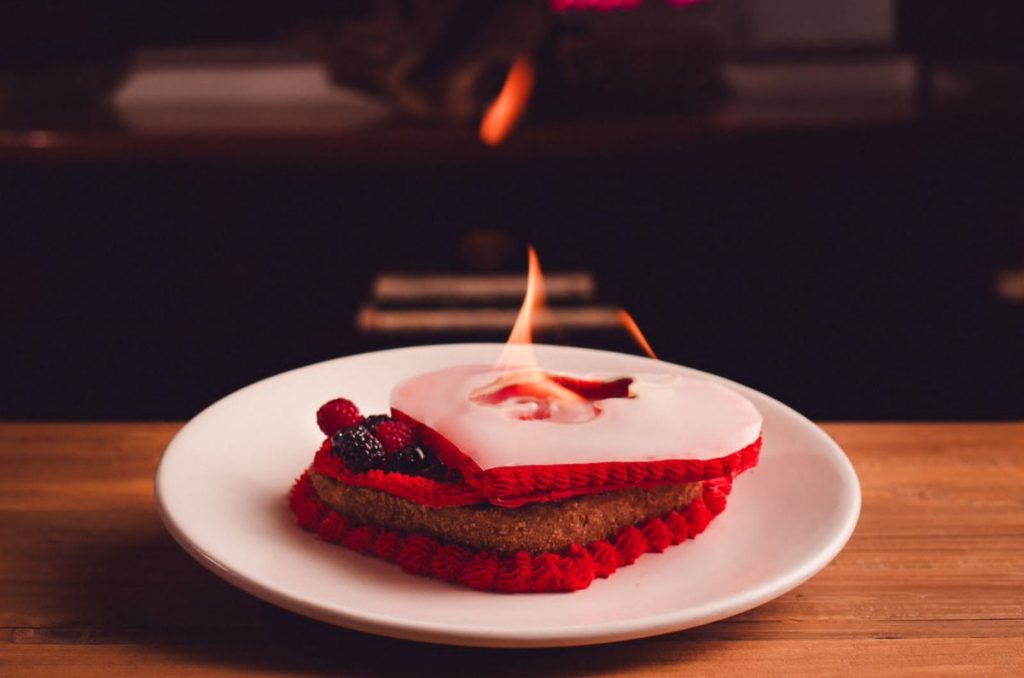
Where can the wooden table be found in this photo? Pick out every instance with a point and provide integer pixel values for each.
(931, 582)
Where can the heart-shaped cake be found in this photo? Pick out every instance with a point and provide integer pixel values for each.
(521, 480)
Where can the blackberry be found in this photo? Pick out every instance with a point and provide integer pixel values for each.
(374, 419)
(413, 460)
(437, 470)
(359, 449)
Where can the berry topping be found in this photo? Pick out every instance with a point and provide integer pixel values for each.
(414, 460)
(374, 420)
(411, 460)
(337, 415)
(359, 449)
(394, 435)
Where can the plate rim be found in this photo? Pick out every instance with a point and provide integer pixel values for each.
(540, 636)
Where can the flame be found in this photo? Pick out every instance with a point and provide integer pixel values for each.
(534, 393)
(533, 305)
(518, 357)
(506, 109)
(634, 329)
(518, 351)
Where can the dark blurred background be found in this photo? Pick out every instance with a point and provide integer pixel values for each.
(823, 200)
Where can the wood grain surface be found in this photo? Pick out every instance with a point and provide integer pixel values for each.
(932, 581)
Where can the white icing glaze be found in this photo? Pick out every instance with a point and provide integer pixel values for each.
(670, 417)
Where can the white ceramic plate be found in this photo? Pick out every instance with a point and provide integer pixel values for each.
(222, 483)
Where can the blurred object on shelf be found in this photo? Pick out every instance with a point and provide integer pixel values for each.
(434, 59)
(239, 92)
(792, 26)
(632, 63)
(62, 60)
(978, 44)
(777, 93)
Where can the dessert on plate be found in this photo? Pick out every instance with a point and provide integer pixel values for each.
(518, 479)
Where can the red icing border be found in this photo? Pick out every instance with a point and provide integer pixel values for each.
(569, 570)
(539, 483)
(516, 485)
(414, 488)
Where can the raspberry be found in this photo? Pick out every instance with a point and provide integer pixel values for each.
(359, 449)
(337, 415)
(394, 435)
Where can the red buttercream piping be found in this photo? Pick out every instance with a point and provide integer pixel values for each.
(511, 486)
(569, 570)
(545, 483)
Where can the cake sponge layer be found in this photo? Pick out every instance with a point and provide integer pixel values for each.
(535, 528)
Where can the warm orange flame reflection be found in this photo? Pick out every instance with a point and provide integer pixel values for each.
(504, 112)
(634, 329)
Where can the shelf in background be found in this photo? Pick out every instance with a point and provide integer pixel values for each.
(288, 108)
